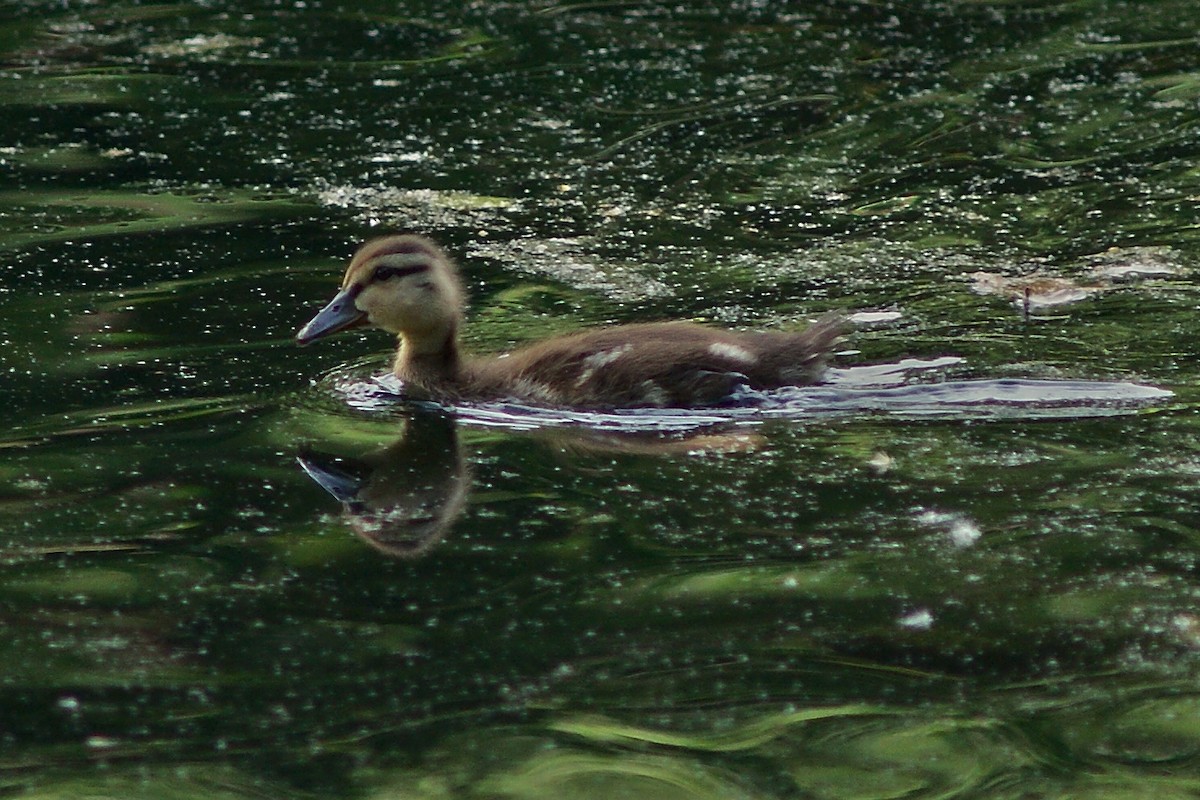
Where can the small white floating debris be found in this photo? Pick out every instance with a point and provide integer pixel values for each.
(1034, 291)
(101, 742)
(919, 620)
(964, 533)
(1104, 272)
(201, 44)
(1124, 264)
(864, 318)
(880, 462)
(1187, 627)
(959, 529)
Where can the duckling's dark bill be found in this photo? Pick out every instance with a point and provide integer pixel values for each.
(340, 314)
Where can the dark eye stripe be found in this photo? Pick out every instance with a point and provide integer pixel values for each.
(383, 273)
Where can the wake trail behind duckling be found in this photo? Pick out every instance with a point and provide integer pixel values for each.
(894, 389)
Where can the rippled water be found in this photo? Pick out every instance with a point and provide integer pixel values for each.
(883, 388)
(963, 566)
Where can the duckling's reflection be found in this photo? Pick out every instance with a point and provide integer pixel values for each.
(403, 499)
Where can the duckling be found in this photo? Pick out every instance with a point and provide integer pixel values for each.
(407, 285)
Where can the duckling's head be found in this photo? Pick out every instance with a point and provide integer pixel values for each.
(403, 284)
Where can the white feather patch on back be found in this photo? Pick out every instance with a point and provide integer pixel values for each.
(732, 352)
(598, 361)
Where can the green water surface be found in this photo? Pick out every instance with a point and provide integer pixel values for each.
(862, 605)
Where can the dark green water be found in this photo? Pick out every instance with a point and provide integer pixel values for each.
(981, 602)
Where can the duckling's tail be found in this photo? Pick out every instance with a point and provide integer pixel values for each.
(803, 356)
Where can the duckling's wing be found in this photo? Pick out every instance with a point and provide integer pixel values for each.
(663, 365)
(694, 365)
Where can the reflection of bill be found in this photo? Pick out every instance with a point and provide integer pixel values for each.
(402, 499)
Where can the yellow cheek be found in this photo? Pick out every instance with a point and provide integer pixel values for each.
(390, 313)
(369, 302)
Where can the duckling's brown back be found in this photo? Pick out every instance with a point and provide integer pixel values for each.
(658, 364)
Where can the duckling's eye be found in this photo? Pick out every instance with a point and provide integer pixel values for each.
(384, 273)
